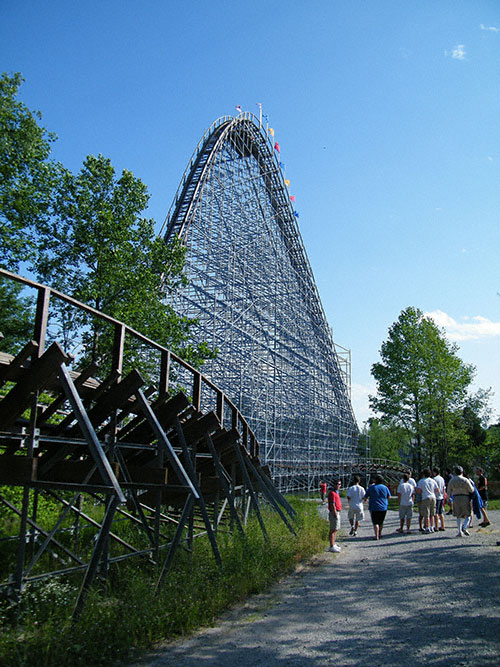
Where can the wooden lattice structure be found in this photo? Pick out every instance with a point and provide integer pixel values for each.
(175, 465)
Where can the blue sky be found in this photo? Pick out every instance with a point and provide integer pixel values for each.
(387, 115)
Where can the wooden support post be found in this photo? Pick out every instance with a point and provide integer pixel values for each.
(41, 319)
(225, 486)
(220, 408)
(197, 391)
(253, 497)
(200, 500)
(133, 496)
(99, 548)
(188, 506)
(276, 494)
(269, 495)
(164, 373)
(21, 546)
(160, 434)
(118, 346)
(87, 429)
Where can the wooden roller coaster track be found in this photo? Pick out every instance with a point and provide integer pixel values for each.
(173, 464)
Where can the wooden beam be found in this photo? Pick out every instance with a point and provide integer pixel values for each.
(40, 374)
(17, 470)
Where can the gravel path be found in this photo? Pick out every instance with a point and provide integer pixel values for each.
(408, 599)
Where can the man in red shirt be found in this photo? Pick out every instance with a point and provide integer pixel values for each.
(322, 490)
(334, 507)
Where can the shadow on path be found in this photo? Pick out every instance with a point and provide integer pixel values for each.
(427, 598)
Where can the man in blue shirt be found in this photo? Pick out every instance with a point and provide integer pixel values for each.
(378, 496)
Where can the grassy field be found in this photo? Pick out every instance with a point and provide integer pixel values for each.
(125, 616)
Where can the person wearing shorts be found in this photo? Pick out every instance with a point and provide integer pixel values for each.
(461, 489)
(406, 493)
(439, 515)
(355, 495)
(377, 496)
(447, 478)
(428, 491)
(334, 507)
(322, 491)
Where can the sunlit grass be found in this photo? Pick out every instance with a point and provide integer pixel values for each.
(126, 615)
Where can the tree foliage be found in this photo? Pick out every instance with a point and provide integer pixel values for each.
(387, 441)
(16, 316)
(422, 387)
(113, 260)
(491, 461)
(27, 177)
(85, 235)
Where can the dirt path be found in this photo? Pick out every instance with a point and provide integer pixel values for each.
(406, 600)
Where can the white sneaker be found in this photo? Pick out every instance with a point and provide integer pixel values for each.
(336, 548)
(460, 534)
(466, 532)
(355, 533)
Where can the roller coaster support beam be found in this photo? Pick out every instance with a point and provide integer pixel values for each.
(99, 549)
(249, 485)
(188, 507)
(201, 502)
(258, 477)
(225, 486)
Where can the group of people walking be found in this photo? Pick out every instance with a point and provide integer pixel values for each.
(430, 494)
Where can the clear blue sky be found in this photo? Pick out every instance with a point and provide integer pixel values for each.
(387, 115)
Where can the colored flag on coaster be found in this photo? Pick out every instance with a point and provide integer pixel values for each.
(287, 182)
(277, 147)
(265, 117)
(238, 108)
(271, 131)
(292, 197)
(282, 165)
(296, 214)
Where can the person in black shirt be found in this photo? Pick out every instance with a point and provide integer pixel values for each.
(482, 487)
(447, 478)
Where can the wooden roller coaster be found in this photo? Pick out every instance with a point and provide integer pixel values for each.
(173, 464)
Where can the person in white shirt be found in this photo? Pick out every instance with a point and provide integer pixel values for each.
(406, 493)
(410, 480)
(439, 516)
(428, 491)
(355, 495)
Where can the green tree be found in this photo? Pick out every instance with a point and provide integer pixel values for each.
(471, 422)
(83, 235)
(387, 441)
(27, 177)
(27, 185)
(421, 383)
(100, 250)
(16, 317)
(492, 447)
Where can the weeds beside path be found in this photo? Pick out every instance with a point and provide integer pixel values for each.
(408, 599)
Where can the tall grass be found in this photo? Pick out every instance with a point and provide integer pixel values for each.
(125, 615)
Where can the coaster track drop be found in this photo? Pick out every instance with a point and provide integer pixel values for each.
(253, 292)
